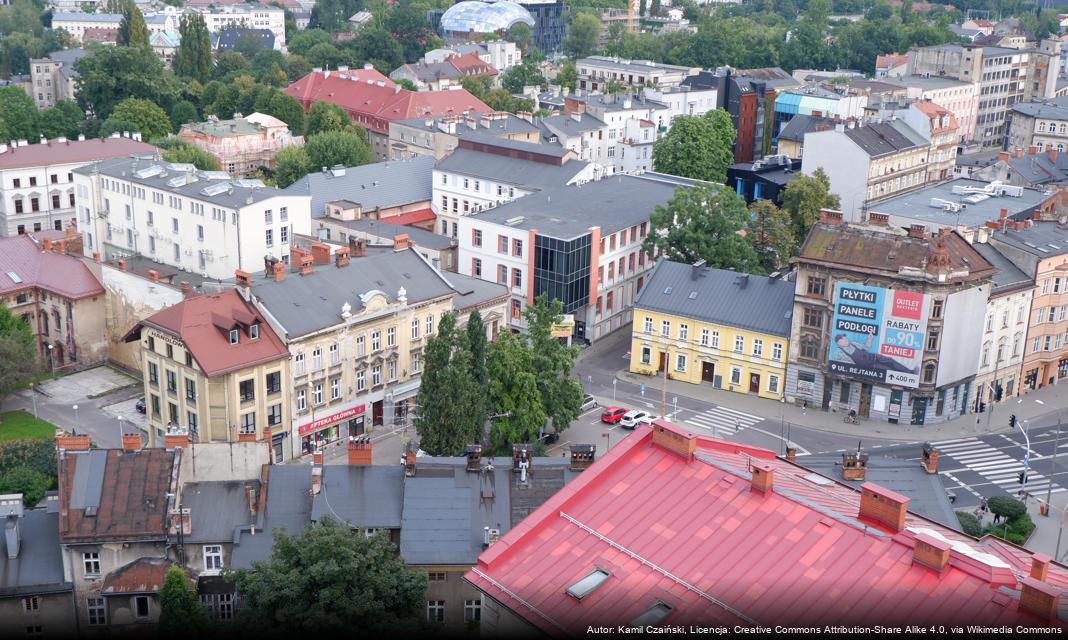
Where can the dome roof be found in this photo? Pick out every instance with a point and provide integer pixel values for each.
(484, 17)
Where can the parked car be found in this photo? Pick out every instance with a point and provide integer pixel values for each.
(612, 415)
(551, 437)
(140, 406)
(588, 402)
(634, 418)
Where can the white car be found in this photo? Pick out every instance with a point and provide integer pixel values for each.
(632, 419)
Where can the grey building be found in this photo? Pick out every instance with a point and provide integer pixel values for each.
(380, 189)
(440, 135)
(53, 77)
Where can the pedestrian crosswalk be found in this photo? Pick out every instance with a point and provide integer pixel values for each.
(722, 421)
(997, 466)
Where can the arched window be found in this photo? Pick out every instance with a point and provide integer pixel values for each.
(929, 372)
(986, 354)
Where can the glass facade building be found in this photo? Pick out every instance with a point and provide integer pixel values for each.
(562, 270)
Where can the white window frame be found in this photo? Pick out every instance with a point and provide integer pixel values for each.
(96, 612)
(91, 563)
(213, 559)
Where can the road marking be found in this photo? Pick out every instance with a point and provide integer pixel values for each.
(721, 420)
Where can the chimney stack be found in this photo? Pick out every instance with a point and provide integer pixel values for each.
(400, 242)
(763, 476)
(1039, 597)
(181, 518)
(153, 275)
(929, 458)
(1018, 153)
(317, 479)
(65, 442)
(46, 244)
(131, 442)
(830, 216)
(278, 271)
(1032, 150)
(791, 453)
(187, 289)
(1040, 566)
(672, 438)
(409, 461)
(341, 257)
(917, 231)
(122, 265)
(320, 253)
(1051, 153)
(1003, 213)
(883, 505)
(176, 439)
(854, 465)
(96, 257)
(243, 278)
(252, 497)
(360, 449)
(879, 219)
(474, 457)
(931, 552)
(582, 456)
(317, 457)
(1003, 156)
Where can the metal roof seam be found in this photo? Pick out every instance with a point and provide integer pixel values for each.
(516, 597)
(658, 569)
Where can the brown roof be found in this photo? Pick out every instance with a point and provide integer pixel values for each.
(204, 322)
(114, 495)
(56, 273)
(144, 575)
(56, 152)
(886, 252)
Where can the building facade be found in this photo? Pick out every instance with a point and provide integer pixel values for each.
(53, 77)
(241, 146)
(439, 136)
(1039, 124)
(713, 326)
(884, 322)
(595, 73)
(213, 368)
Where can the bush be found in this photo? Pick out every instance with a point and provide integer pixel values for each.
(969, 524)
(38, 455)
(30, 483)
(1007, 507)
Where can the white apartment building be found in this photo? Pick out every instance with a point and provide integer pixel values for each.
(252, 16)
(617, 111)
(959, 96)
(76, 23)
(483, 173)
(683, 100)
(37, 180)
(500, 54)
(200, 221)
(578, 132)
(596, 72)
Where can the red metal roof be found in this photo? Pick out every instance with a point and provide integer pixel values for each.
(694, 534)
(203, 323)
(57, 273)
(411, 217)
(56, 152)
(368, 93)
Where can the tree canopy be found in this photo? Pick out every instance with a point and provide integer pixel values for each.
(450, 403)
(18, 352)
(803, 198)
(147, 116)
(193, 58)
(697, 147)
(180, 612)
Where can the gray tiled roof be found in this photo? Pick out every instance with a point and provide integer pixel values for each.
(612, 203)
(288, 508)
(916, 205)
(1043, 239)
(512, 124)
(526, 174)
(303, 304)
(38, 568)
(720, 296)
(387, 229)
(217, 509)
(801, 124)
(1009, 277)
(569, 126)
(1056, 109)
(472, 291)
(381, 184)
(365, 496)
(884, 138)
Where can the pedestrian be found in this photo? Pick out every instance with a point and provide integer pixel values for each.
(737, 424)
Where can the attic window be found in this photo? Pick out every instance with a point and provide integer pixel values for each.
(588, 584)
(254, 330)
(652, 616)
(233, 336)
(667, 291)
(693, 295)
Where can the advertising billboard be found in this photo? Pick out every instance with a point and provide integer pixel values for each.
(962, 336)
(877, 334)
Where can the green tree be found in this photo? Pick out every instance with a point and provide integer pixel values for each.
(284, 107)
(520, 35)
(229, 64)
(582, 35)
(378, 47)
(18, 352)
(291, 164)
(193, 58)
(803, 198)
(328, 16)
(183, 113)
(477, 345)
(180, 613)
(133, 32)
(522, 75)
(703, 223)
(969, 524)
(338, 147)
(305, 40)
(513, 392)
(553, 361)
(642, 7)
(111, 74)
(297, 67)
(1006, 507)
(65, 119)
(450, 403)
(18, 115)
(567, 76)
(187, 153)
(771, 233)
(408, 26)
(654, 8)
(32, 484)
(332, 581)
(151, 120)
(326, 116)
(697, 147)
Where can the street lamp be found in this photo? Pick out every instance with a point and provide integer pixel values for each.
(51, 360)
(121, 432)
(33, 394)
(614, 381)
(76, 421)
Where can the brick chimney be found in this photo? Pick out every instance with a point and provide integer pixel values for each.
(295, 256)
(791, 453)
(763, 476)
(320, 253)
(883, 505)
(80, 442)
(341, 257)
(1017, 153)
(879, 219)
(830, 216)
(1018, 225)
(131, 442)
(252, 498)
(929, 458)
(931, 552)
(474, 457)
(153, 275)
(1003, 156)
(1040, 566)
(854, 465)
(409, 461)
(1032, 150)
(243, 278)
(278, 271)
(357, 247)
(360, 450)
(176, 440)
(183, 518)
(186, 288)
(1051, 153)
(306, 268)
(96, 257)
(582, 456)
(246, 437)
(672, 438)
(1003, 213)
(1040, 598)
(917, 231)
(46, 244)
(400, 242)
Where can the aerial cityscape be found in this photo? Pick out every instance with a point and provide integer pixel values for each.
(533, 318)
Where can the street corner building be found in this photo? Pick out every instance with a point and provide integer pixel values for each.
(713, 326)
(750, 539)
(885, 321)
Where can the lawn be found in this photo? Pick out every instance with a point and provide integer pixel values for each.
(19, 424)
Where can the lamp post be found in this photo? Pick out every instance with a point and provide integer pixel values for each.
(1027, 455)
(992, 392)
(121, 432)
(51, 360)
(76, 421)
(614, 381)
(33, 394)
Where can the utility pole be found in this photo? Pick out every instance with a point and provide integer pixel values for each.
(663, 390)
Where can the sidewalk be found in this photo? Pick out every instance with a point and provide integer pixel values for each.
(834, 422)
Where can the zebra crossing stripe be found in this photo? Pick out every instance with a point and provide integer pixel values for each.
(940, 442)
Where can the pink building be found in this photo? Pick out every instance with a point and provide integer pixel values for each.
(241, 145)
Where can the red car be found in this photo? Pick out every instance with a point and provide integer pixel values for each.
(612, 415)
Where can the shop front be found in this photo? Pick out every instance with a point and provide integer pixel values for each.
(320, 430)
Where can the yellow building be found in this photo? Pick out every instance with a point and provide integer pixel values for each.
(713, 326)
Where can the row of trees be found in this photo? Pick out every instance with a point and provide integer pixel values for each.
(518, 384)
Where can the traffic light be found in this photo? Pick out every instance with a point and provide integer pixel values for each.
(1012, 421)
(1023, 477)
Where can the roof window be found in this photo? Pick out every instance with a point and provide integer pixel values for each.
(652, 616)
(588, 584)
(233, 336)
